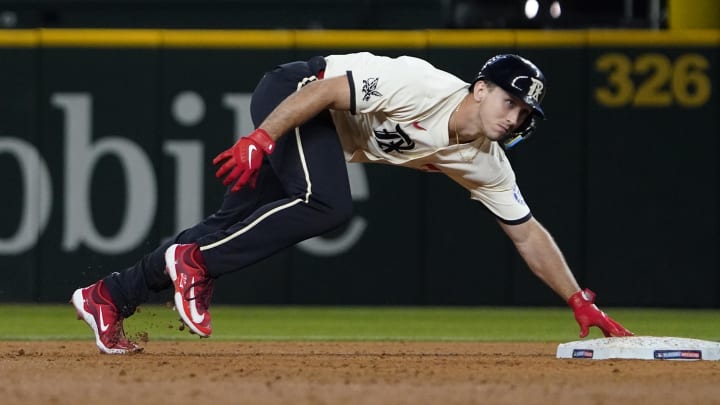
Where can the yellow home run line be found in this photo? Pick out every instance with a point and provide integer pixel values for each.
(373, 39)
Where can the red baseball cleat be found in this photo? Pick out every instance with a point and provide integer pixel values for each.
(193, 287)
(94, 305)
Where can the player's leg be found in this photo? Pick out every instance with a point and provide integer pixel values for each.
(308, 162)
(310, 165)
(276, 221)
(133, 286)
(318, 200)
(105, 304)
(312, 169)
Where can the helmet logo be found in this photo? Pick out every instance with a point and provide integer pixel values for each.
(536, 89)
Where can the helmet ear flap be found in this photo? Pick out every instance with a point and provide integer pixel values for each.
(523, 132)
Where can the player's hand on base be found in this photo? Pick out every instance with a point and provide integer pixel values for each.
(242, 161)
(587, 314)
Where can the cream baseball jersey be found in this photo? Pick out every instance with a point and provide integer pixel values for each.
(400, 109)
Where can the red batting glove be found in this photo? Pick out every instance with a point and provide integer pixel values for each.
(243, 160)
(587, 314)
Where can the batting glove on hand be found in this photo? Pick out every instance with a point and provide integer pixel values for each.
(243, 160)
(587, 314)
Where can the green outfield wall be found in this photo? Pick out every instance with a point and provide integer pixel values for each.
(106, 138)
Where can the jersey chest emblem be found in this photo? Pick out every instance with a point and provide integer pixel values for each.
(393, 141)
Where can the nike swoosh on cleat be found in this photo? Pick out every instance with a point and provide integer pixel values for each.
(196, 317)
(103, 326)
(251, 149)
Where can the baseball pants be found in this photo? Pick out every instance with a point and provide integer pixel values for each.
(302, 190)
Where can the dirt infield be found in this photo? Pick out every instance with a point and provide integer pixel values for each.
(211, 372)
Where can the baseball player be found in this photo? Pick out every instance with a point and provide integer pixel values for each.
(287, 180)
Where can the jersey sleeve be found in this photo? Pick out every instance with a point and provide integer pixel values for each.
(402, 88)
(491, 181)
(508, 205)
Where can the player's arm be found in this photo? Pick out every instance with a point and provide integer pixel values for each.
(332, 93)
(241, 162)
(542, 255)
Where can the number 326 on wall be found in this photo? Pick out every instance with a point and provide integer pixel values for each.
(653, 80)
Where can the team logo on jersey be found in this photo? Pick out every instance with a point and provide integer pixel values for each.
(369, 88)
(393, 141)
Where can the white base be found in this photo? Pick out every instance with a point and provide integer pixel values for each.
(640, 347)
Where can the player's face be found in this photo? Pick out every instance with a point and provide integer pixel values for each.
(498, 112)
